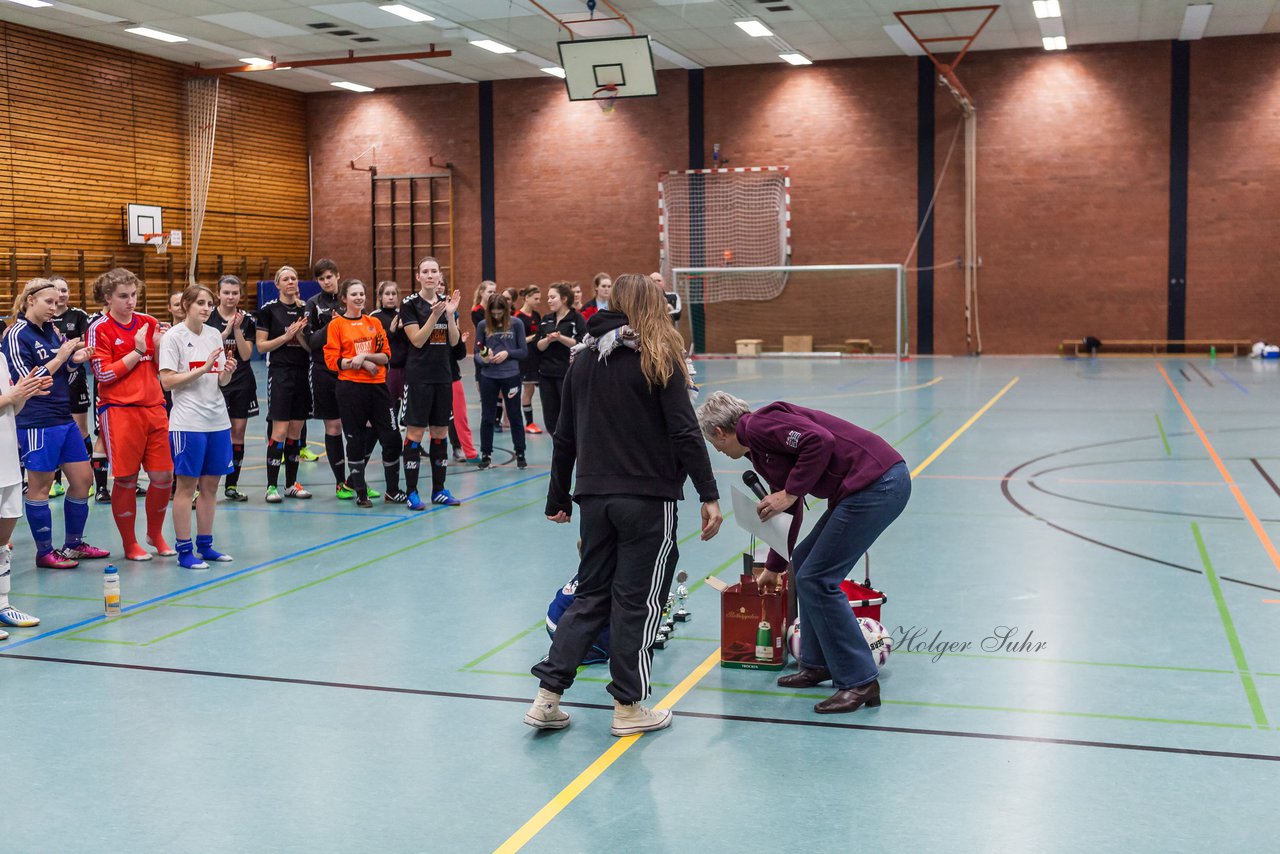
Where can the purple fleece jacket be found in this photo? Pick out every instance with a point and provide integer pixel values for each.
(810, 452)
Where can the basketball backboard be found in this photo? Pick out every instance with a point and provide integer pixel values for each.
(624, 63)
(143, 220)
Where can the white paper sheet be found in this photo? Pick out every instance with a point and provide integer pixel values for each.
(773, 532)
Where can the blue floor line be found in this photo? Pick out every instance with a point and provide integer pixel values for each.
(1231, 380)
(5, 647)
(369, 515)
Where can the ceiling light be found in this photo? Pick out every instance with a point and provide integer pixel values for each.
(407, 12)
(754, 28)
(256, 61)
(1047, 8)
(795, 58)
(554, 71)
(34, 4)
(155, 34)
(1055, 42)
(492, 46)
(351, 87)
(1194, 21)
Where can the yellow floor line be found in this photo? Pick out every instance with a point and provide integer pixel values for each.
(567, 795)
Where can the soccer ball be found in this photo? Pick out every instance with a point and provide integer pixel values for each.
(880, 641)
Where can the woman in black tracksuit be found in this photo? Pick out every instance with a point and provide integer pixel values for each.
(629, 428)
(388, 314)
(560, 329)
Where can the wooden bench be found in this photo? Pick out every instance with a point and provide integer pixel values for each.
(1154, 346)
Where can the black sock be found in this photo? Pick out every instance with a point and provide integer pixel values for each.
(291, 448)
(412, 460)
(439, 455)
(528, 414)
(275, 453)
(237, 460)
(391, 470)
(453, 437)
(57, 476)
(357, 481)
(333, 449)
(99, 463)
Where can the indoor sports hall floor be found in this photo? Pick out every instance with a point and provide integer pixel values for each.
(355, 681)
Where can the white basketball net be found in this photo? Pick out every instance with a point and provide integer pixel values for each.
(726, 218)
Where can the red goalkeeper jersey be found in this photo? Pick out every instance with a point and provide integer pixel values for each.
(110, 341)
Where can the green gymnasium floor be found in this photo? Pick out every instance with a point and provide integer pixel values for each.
(355, 681)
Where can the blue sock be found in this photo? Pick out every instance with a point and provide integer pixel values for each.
(41, 522)
(204, 542)
(186, 558)
(75, 513)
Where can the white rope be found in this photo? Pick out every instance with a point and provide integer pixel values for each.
(202, 125)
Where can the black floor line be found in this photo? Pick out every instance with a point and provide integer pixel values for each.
(1264, 474)
(1202, 376)
(821, 724)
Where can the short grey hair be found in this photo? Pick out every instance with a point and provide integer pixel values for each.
(721, 410)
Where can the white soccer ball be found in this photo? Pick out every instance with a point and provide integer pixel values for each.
(880, 641)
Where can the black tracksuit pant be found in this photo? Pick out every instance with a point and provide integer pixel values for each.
(363, 405)
(549, 395)
(628, 559)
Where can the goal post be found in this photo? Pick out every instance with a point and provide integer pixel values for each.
(835, 308)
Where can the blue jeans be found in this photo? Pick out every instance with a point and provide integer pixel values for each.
(830, 637)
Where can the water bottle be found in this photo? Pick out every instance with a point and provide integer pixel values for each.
(111, 591)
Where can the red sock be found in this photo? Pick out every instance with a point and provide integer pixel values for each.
(157, 507)
(124, 507)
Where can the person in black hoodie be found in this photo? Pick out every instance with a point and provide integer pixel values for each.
(558, 332)
(630, 372)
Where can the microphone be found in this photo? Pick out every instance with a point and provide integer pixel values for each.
(752, 480)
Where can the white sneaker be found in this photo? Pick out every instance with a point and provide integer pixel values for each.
(545, 712)
(10, 616)
(635, 718)
(3, 634)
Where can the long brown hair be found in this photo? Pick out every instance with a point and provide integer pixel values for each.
(661, 347)
(490, 325)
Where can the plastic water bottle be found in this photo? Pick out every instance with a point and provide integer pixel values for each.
(111, 591)
(1213, 353)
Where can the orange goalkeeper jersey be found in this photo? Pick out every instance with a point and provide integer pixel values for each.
(349, 338)
(110, 341)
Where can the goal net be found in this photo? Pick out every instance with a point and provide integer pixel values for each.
(833, 308)
(725, 236)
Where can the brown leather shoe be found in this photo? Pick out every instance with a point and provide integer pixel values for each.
(850, 699)
(805, 678)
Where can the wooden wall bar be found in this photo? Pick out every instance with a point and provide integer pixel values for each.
(85, 129)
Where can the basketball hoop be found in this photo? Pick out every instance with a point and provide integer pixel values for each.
(607, 97)
(160, 241)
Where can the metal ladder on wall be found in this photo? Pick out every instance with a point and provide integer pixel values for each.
(412, 216)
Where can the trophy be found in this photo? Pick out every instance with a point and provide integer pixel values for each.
(682, 614)
(668, 624)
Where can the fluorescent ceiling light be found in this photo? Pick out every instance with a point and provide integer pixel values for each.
(255, 60)
(352, 87)
(1055, 42)
(554, 71)
(492, 46)
(1047, 8)
(1194, 21)
(407, 12)
(155, 34)
(754, 28)
(34, 4)
(795, 58)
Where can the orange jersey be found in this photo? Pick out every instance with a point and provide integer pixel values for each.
(110, 341)
(349, 338)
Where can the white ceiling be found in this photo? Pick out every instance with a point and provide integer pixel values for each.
(686, 33)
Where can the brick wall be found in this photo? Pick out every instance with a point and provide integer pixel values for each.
(1073, 190)
(1073, 159)
(407, 127)
(1233, 253)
